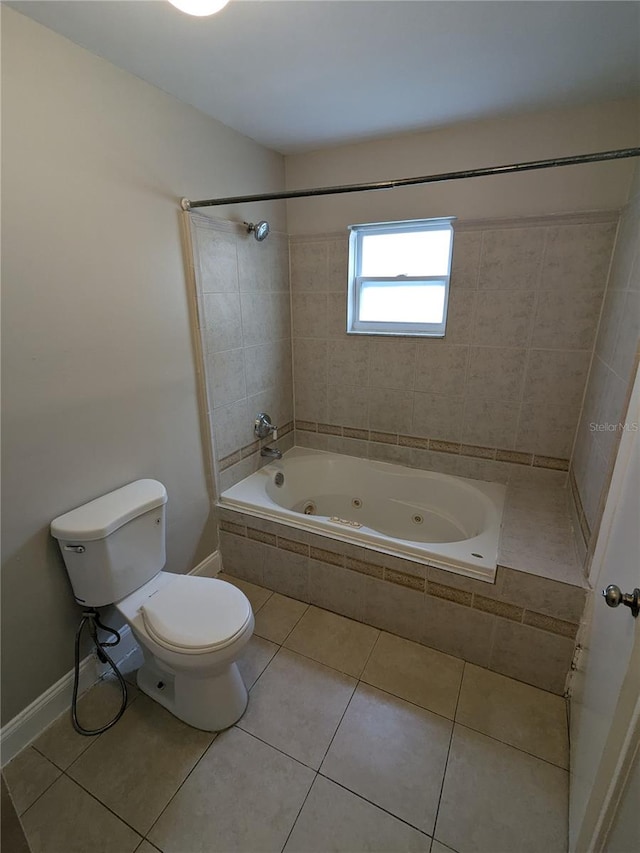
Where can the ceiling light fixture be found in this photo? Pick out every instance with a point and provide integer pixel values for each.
(201, 8)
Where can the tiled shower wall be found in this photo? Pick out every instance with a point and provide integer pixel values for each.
(245, 328)
(504, 386)
(614, 368)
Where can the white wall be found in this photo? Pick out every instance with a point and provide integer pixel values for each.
(600, 186)
(99, 382)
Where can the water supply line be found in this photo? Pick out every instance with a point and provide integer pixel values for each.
(92, 617)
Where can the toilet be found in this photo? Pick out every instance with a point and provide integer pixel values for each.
(191, 629)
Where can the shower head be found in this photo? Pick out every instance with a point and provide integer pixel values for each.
(260, 230)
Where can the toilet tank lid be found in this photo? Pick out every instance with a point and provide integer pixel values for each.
(104, 515)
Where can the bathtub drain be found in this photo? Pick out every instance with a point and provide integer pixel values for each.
(418, 519)
(356, 502)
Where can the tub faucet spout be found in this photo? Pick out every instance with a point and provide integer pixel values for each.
(271, 453)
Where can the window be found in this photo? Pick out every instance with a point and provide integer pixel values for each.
(399, 277)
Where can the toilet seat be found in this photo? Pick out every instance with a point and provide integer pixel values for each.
(194, 615)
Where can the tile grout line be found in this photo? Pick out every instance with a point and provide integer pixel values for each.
(375, 805)
(179, 788)
(446, 763)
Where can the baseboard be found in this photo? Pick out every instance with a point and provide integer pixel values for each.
(26, 726)
(209, 567)
(29, 724)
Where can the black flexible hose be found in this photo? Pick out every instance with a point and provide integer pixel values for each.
(92, 617)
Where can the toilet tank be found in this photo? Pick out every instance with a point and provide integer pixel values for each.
(114, 544)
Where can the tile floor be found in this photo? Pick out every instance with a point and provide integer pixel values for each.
(354, 740)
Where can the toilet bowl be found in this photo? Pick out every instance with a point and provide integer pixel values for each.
(191, 630)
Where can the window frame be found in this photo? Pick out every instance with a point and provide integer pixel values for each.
(355, 326)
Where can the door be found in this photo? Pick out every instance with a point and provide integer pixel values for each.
(605, 708)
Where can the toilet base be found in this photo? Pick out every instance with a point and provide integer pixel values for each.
(211, 704)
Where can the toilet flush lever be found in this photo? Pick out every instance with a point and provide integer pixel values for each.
(77, 549)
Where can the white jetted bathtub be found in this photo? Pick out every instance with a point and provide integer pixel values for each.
(449, 522)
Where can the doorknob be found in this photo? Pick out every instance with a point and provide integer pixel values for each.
(613, 596)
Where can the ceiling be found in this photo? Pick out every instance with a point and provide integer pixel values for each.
(304, 74)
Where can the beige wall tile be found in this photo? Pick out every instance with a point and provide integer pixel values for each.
(221, 323)
(337, 264)
(348, 405)
(511, 259)
(496, 373)
(437, 417)
(458, 630)
(577, 256)
(287, 573)
(556, 376)
(390, 410)
(348, 362)
(547, 429)
(310, 362)
(308, 265)
(218, 260)
(395, 609)
(626, 349)
(226, 377)
(545, 596)
(337, 589)
(465, 263)
(242, 558)
(567, 318)
(336, 315)
(392, 364)
(309, 309)
(490, 423)
(440, 368)
(531, 655)
(504, 317)
(460, 315)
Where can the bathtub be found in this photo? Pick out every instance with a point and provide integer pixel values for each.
(435, 519)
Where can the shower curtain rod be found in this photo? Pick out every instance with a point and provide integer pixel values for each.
(575, 160)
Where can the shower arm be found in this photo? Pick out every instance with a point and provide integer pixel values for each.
(574, 160)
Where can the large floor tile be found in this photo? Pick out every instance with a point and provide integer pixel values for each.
(61, 744)
(138, 765)
(334, 819)
(392, 753)
(12, 837)
(333, 640)
(68, 820)
(254, 659)
(296, 706)
(257, 595)
(416, 673)
(436, 847)
(145, 847)
(518, 714)
(243, 796)
(28, 776)
(276, 619)
(497, 799)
